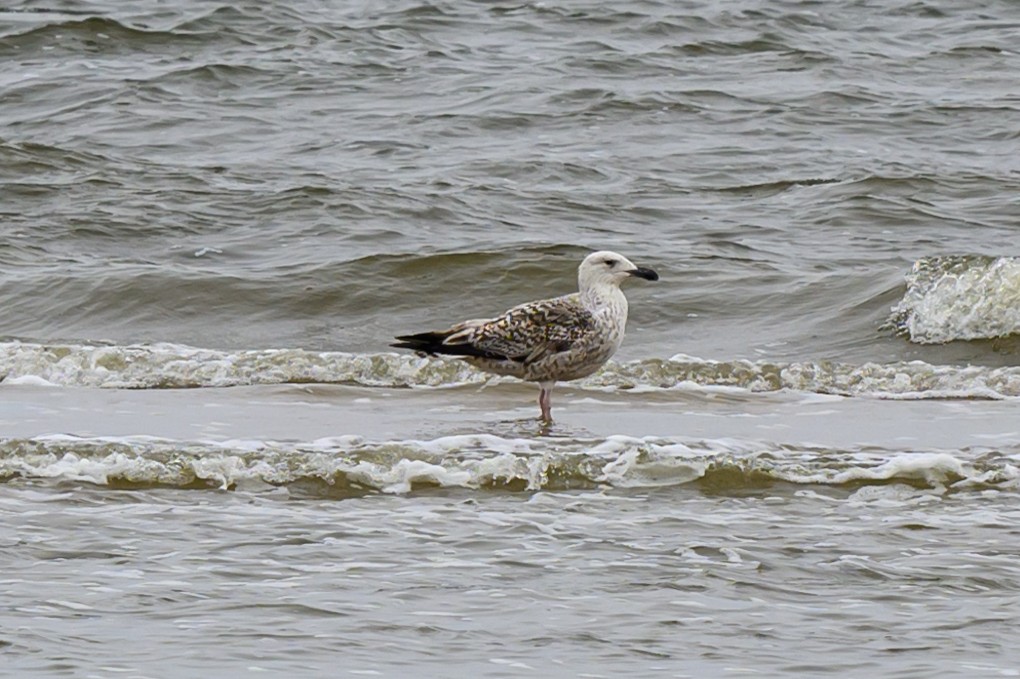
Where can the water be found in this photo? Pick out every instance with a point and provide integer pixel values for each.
(803, 461)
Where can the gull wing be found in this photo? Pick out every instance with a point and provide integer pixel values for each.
(528, 332)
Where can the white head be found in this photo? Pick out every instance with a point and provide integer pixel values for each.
(608, 268)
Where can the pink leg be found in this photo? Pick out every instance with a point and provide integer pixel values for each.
(545, 400)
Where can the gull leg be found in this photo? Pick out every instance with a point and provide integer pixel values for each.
(545, 400)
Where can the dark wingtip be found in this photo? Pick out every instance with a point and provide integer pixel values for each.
(416, 345)
(432, 344)
(415, 342)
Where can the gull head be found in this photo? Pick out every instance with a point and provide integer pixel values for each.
(609, 268)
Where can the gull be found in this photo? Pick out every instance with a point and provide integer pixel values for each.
(549, 340)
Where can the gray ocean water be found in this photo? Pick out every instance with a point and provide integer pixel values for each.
(804, 461)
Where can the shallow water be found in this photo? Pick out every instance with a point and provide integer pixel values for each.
(803, 461)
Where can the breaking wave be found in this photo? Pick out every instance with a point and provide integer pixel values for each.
(171, 366)
(351, 466)
(960, 297)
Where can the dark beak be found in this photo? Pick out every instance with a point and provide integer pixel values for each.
(647, 274)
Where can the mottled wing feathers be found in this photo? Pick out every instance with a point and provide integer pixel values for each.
(530, 331)
(525, 333)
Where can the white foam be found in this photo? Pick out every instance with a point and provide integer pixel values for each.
(29, 381)
(952, 298)
(492, 462)
(176, 366)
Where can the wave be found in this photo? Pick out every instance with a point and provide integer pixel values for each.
(74, 30)
(351, 466)
(959, 297)
(71, 30)
(173, 366)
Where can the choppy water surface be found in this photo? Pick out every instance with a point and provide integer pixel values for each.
(803, 462)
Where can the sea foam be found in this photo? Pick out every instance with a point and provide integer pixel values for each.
(351, 466)
(960, 297)
(171, 366)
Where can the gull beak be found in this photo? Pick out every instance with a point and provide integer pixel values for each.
(647, 274)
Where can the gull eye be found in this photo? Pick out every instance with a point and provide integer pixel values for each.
(611, 263)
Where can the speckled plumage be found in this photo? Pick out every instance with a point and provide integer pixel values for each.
(550, 340)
